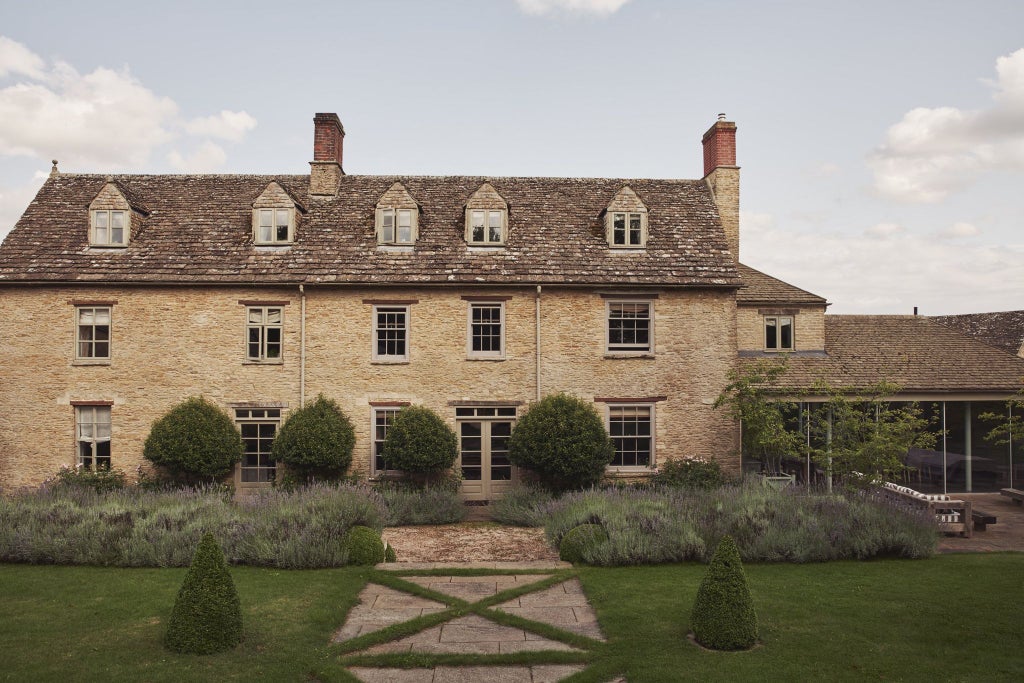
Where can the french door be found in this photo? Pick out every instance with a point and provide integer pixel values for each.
(483, 451)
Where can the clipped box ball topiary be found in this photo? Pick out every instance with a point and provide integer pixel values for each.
(723, 615)
(364, 546)
(207, 617)
(419, 442)
(563, 440)
(194, 441)
(578, 539)
(316, 441)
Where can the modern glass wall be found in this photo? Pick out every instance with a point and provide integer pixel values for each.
(960, 458)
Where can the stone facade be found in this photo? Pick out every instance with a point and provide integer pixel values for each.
(808, 326)
(168, 343)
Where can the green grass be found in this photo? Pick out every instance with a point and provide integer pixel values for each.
(951, 618)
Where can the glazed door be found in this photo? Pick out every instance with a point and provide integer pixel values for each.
(483, 458)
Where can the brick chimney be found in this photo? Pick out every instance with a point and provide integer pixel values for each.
(723, 177)
(325, 170)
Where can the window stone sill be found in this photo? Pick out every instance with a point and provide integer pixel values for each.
(484, 358)
(621, 356)
(90, 361)
(381, 361)
(262, 362)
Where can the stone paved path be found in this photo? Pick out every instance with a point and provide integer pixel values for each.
(563, 606)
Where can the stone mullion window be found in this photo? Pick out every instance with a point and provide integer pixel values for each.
(92, 427)
(92, 339)
(264, 332)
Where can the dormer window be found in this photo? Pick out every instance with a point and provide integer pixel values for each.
(778, 333)
(486, 218)
(109, 228)
(626, 221)
(274, 226)
(487, 227)
(274, 216)
(397, 217)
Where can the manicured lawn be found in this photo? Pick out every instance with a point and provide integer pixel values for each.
(949, 618)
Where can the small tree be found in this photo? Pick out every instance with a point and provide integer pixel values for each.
(420, 443)
(207, 616)
(864, 435)
(1009, 426)
(752, 397)
(723, 616)
(316, 441)
(564, 441)
(195, 441)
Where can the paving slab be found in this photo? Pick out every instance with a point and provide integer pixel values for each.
(379, 607)
(563, 605)
(471, 634)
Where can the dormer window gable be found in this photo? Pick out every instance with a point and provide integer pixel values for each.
(486, 218)
(274, 216)
(111, 218)
(626, 221)
(397, 217)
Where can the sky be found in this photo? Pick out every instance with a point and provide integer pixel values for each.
(881, 143)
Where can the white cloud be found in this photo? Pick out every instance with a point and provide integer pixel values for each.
(601, 8)
(18, 60)
(883, 230)
(860, 273)
(205, 158)
(100, 121)
(228, 125)
(958, 230)
(932, 152)
(828, 169)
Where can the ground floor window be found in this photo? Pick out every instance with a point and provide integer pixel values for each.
(382, 419)
(258, 427)
(93, 430)
(630, 427)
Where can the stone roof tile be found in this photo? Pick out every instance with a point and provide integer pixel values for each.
(199, 230)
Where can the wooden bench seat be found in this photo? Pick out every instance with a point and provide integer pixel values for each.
(952, 515)
(981, 519)
(1016, 495)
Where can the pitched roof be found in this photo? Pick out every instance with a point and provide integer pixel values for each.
(760, 288)
(1004, 330)
(199, 230)
(913, 352)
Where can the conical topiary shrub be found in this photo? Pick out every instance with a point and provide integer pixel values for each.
(207, 616)
(723, 615)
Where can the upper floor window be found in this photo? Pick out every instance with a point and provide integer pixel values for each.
(778, 333)
(486, 330)
(264, 330)
(630, 327)
(396, 226)
(274, 226)
(391, 333)
(92, 424)
(109, 228)
(92, 336)
(487, 227)
(626, 220)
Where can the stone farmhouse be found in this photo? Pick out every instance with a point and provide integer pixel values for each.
(122, 295)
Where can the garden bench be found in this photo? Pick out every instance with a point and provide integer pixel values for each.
(1016, 495)
(953, 515)
(982, 519)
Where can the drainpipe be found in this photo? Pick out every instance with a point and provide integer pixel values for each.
(302, 345)
(537, 339)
